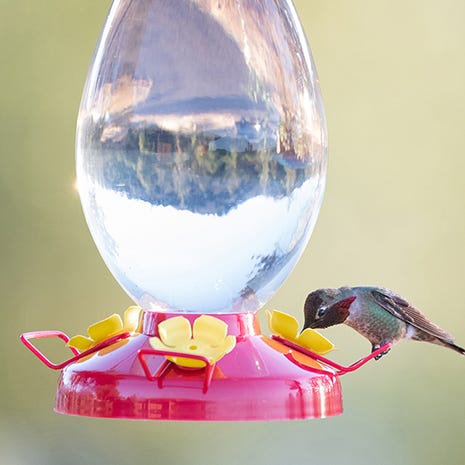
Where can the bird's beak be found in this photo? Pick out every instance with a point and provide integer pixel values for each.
(314, 325)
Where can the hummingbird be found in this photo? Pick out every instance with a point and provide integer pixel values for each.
(376, 313)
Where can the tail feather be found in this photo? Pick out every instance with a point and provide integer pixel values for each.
(455, 347)
(436, 340)
(450, 345)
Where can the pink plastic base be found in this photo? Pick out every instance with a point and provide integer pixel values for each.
(258, 380)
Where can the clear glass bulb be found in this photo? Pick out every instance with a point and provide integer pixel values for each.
(201, 150)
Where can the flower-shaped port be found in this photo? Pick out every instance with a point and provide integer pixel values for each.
(107, 328)
(207, 337)
(287, 327)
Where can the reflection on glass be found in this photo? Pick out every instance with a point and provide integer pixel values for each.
(201, 151)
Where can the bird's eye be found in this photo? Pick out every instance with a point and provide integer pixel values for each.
(321, 312)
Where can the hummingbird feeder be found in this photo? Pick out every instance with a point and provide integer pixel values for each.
(201, 164)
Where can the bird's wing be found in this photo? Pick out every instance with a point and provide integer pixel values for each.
(400, 308)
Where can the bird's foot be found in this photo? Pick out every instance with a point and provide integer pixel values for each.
(376, 347)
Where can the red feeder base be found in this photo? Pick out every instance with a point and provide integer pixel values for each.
(259, 380)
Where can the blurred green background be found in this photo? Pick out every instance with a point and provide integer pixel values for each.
(392, 75)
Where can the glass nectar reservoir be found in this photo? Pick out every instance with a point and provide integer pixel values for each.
(201, 151)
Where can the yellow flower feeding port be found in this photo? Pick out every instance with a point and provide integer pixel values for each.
(286, 327)
(107, 328)
(208, 338)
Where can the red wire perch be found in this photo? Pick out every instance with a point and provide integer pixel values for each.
(341, 370)
(167, 365)
(25, 339)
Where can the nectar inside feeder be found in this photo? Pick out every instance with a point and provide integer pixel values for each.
(201, 164)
